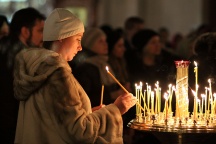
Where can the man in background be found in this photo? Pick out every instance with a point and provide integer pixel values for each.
(26, 30)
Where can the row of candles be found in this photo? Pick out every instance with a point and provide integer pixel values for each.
(208, 92)
(150, 100)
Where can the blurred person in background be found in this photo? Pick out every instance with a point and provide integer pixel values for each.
(185, 47)
(116, 57)
(117, 61)
(4, 27)
(26, 30)
(131, 26)
(164, 37)
(177, 38)
(148, 67)
(91, 68)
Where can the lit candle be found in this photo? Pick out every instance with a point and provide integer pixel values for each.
(140, 94)
(159, 102)
(170, 97)
(141, 84)
(116, 79)
(136, 97)
(156, 101)
(203, 97)
(121, 85)
(196, 74)
(210, 95)
(206, 90)
(152, 102)
(157, 97)
(148, 96)
(102, 91)
(166, 105)
(214, 102)
(144, 103)
(195, 105)
(198, 105)
(208, 102)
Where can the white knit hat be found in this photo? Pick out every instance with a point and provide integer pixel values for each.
(61, 24)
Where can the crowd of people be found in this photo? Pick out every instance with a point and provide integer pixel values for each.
(53, 70)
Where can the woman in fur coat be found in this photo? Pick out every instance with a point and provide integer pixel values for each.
(54, 108)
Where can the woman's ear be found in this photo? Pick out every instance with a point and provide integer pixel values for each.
(56, 45)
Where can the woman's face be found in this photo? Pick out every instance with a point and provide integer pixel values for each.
(70, 46)
(4, 30)
(100, 46)
(119, 48)
(153, 46)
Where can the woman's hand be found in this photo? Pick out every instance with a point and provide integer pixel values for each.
(125, 102)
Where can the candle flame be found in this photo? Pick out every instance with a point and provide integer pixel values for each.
(197, 86)
(203, 95)
(152, 94)
(166, 96)
(194, 93)
(141, 83)
(107, 68)
(214, 95)
(195, 63)
(157, 84)
(209, 80)
(173, 88)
